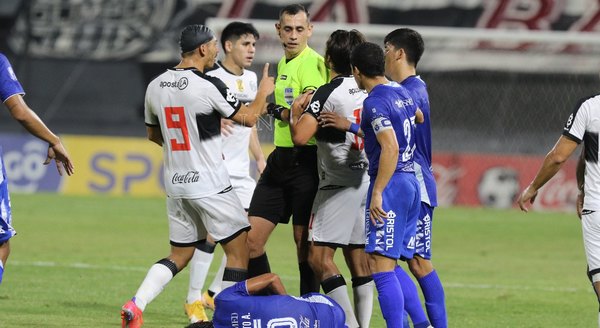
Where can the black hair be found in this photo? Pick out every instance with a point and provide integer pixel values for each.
(234, 30)
(193, 36)
(409, 40)
(339, 48)
(368, 58)
(293, 10)
(201, 324)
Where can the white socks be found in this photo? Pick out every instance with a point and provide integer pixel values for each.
(157, 278)
(363, 303)
(340, 295)
(199, 265)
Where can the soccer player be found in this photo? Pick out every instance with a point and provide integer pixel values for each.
(236, 307)
(11, 94)
(339, 206)
(288, 185)
(183, 114)
(388, 122)
(583, 125)
(238, 41)
(403, 50)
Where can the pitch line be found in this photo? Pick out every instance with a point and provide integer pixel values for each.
(87, 266)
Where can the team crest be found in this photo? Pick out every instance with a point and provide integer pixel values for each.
(240, 85)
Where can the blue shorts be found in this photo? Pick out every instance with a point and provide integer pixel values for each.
(423, 235)
(396, 237)
(6, 230)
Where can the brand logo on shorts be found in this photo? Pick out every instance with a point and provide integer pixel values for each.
(389, 230)
(188, 177)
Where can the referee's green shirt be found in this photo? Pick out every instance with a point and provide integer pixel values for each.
(303, 72)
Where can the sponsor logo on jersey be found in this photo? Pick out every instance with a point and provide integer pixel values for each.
(231, 98)
(188, 177)
(315, 106)
(569, 122)
(401, 103)
(354, 91)
(181, 84)
(359, 166)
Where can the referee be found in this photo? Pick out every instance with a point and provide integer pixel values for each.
(289, 182)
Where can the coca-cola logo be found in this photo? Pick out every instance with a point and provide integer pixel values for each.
(188, 177)
(446, 177)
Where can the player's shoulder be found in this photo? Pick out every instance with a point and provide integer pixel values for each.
(589, 104)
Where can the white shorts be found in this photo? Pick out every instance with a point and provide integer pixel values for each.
(338, 216)
(220, 215)
(244, 188)
(590, 224)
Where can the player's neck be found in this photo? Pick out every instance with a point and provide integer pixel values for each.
(231, 66)
(404, 73)
(194, 62)
(370, 83)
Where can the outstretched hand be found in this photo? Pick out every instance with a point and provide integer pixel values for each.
(58, 153)
(267, 83)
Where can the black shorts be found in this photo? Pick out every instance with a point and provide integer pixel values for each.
(287, 186)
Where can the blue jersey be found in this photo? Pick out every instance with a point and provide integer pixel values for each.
(9, 85)
(234, 307)
(422, 155)
(389, 106)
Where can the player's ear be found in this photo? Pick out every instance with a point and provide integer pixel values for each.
(228, 46)
(278, 29)
(310, 30)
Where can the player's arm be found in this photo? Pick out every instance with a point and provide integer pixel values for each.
(388, 159)
(256, 151)
(334, 120)
(154, 134)
(580, 174)
(248, 115)
(553, 161)
(304, 124)
(33, 124)
(267, 280)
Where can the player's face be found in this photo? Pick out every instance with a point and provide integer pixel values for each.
(211, 50)
(242, 50)
(294, 32)
(390, 59)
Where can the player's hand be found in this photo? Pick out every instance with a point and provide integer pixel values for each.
(58, 153)
(226, 127)
(267, 83)
(300, 103)
(579, 204)
(333, 120)
(528, 195)
(377, 214)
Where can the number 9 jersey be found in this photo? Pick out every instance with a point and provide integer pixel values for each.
(188, 105)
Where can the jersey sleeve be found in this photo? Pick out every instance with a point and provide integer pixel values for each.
(312, 74)
(378, 114)
(223, 100)
(318, 102)
(233, 292)
(577, 122)
(9, 85)
(150, 117)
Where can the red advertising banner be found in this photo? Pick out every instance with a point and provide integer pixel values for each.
(495, 181)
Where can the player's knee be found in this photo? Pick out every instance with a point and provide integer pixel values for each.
(419, 266)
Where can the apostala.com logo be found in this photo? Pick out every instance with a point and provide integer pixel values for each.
(181, 84)
(92, 29)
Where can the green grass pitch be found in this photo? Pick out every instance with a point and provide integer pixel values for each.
(76, 260)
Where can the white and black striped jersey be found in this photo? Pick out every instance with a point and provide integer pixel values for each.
(584, 125)
(235, 145)
(188, 105)
(342, 161)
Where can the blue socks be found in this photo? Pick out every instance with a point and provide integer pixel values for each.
(391, 298)
(435, 300)
(412, 303)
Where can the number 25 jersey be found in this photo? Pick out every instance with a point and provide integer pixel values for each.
(188, 105)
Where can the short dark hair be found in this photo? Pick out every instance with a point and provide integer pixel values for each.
(369, 59)
(201, 324)
(339, 48)
(409, 40)
(234, 30)
(193, 36)
(293, 10)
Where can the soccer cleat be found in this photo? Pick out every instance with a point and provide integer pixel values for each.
(208, 301)
(195, 312)
(131, 315)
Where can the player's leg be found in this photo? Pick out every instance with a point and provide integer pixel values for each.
(199, 266)
(301, 187)
(391, 298)
(6, 230)
(422, 268)
(208, 297)
(590, 224)
(362, 282)
(184, 233)
(4, 252)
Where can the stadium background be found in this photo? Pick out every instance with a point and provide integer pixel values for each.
(497, 104)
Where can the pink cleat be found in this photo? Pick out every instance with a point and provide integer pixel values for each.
(131, 315)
